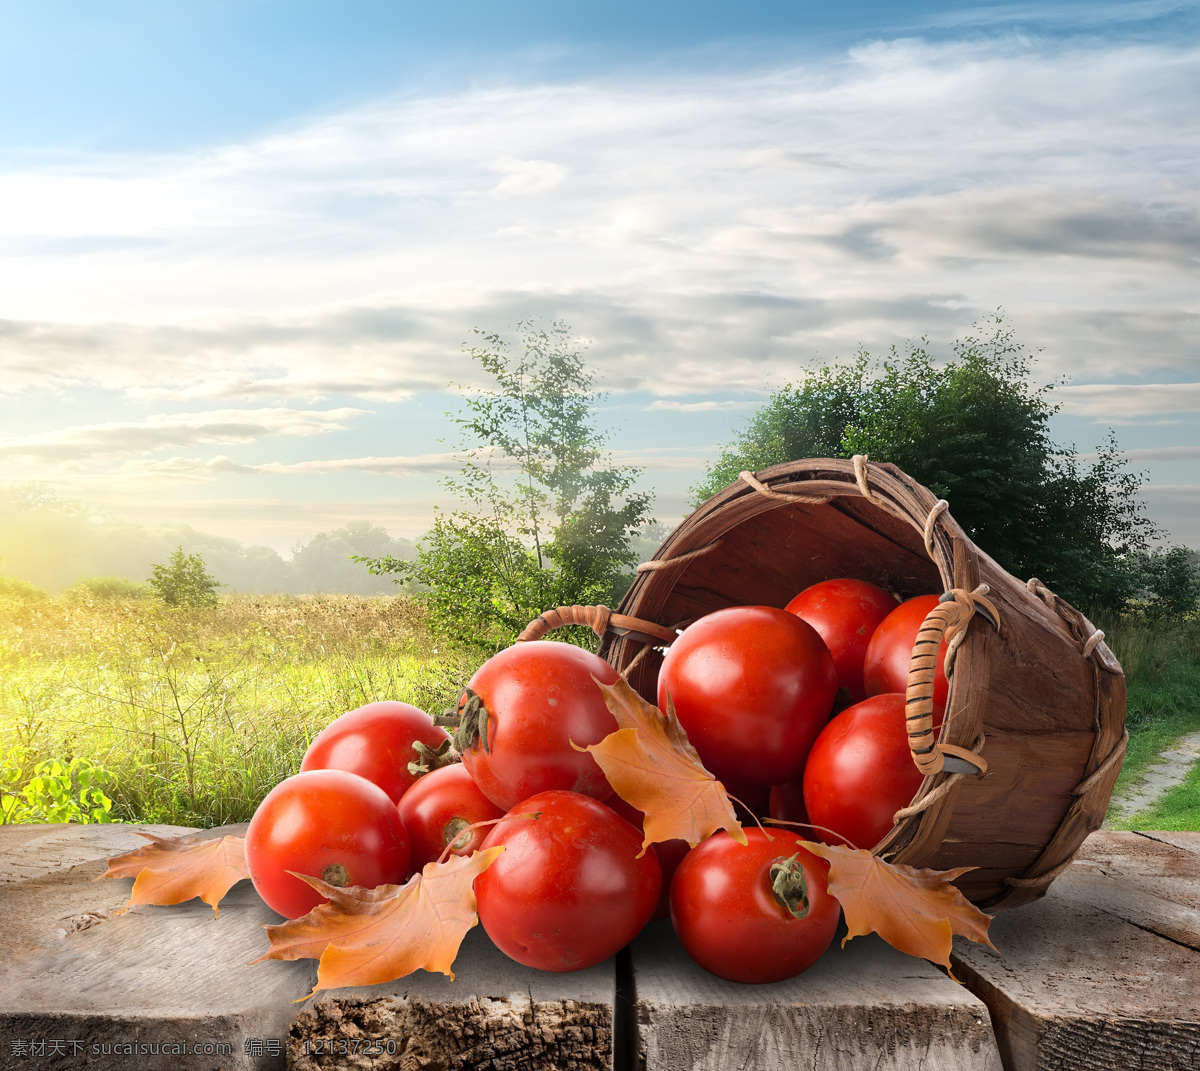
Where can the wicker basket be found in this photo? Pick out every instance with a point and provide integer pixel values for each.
(1041, 699)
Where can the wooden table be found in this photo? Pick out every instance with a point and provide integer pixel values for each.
(1104, 972)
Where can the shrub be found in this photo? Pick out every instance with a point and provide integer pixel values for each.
(103, 588)
(184, 581)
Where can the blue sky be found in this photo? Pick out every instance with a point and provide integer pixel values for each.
(241, 244)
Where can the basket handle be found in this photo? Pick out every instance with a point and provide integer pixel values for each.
(952, 615)
(599, 619)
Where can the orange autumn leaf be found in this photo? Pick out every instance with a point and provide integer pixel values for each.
(170, 870)
(916, 911)
(652, 766)
(369, 936)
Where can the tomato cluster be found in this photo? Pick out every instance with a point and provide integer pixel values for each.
(755, 688)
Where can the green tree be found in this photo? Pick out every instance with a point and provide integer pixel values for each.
(184, 581)
(975, 431)
(547, 516)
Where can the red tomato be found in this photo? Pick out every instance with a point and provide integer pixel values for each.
(885, 668)
(328, 824)
(375, 742)
(728, 918)
(845, 614)
(860, 771)
(670, 852)
(541, 699)
(438, 808)
(752, 686)
(569, 889)
(787, 801)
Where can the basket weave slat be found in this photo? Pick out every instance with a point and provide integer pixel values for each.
(1049, 716)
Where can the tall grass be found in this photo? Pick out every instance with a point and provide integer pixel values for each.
(1162, 673)
(197, 714)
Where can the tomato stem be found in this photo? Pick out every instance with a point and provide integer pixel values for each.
(472, 723)
(789, 887)
(432, 758)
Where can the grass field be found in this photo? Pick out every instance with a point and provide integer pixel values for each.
(1162, 669)
(197, 714)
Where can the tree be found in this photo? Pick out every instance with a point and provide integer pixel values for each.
(327, 562)
(547, 516)
(184, 581)
(976, 432)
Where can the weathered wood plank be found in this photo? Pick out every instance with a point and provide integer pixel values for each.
(863, 1006)
(35, 851)
(495, 1014)
(1189, 841)
(156, 987)
(1103, 972)
(1141, 879)
(78, 973)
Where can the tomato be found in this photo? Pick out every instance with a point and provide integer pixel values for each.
(752, 686)
(787, 801)
(327, 824)
(438, 808)
(569, 889)
(376, 742)
(860, 771)
(670, 852)
(540, 698)
(729, 920)
(885, 668)
(845, 614)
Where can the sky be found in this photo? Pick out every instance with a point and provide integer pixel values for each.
(242, 244)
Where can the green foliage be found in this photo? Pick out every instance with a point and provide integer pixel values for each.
(975, 431)
(107, 587)
(547, 518)
(56, 791)
(14, 592)
(1161, 659)
(198, 713)
(1169, 584)
(184, 581)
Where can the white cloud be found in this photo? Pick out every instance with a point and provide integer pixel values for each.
(92, 443)
(714, 233)
(1164, 453)
(710, 405)
(198, 468)
(356, 251)
(1128, 399)
(527, 178)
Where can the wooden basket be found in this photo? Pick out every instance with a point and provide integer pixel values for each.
(1041, 699)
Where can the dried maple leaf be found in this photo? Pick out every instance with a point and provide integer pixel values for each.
(916, 911)
(652, 766)
(170, 870)
(369, 936)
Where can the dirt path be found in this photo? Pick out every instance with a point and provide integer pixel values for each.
(1170, 769)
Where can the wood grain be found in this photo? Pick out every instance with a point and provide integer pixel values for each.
(1104, 972)
(76, 970)
(864, 1006)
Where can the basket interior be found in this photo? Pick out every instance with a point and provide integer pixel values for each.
(769, 552)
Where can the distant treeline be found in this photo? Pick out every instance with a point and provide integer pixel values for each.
(54, 543)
